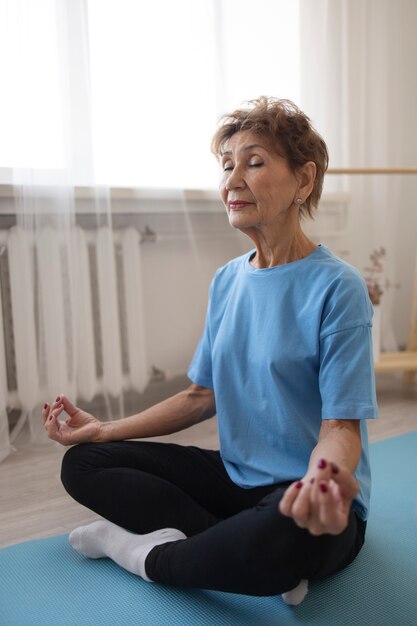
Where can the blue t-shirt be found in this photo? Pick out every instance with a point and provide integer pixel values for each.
(284, 348)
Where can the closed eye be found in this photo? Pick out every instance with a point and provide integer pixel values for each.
(255, 160)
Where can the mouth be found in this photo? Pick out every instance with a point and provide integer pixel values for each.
(236, 205)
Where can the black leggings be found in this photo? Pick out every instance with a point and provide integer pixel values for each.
(237, 540)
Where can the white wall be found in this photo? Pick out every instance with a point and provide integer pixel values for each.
(178, 273)
(406, 258)
(358, 86)
(194, 238)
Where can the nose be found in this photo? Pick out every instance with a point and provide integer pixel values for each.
(234, 180)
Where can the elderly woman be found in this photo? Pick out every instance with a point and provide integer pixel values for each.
(285, 361)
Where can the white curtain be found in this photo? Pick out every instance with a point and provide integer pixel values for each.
(358, 84)
(356, 60)
(57, 335)
(5, 446)
(110, 93)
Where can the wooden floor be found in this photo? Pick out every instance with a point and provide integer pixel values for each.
(34, 504)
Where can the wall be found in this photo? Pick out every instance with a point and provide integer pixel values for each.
(406, 258)
(193, 238)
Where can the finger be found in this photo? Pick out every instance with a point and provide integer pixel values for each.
(58, 409)
(324, 470)
(331, 515)
(48, 409)
(316, 528)
(309, 516)
(343, 502)
(289, 497)
(45, 412)
(346, 480)
(56, 402)
(302, 510)
(51, 426)
(347, 483)
(69, 408)
(52, 418)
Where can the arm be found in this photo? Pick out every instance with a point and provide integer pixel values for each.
(340, 442)
(321, 500)
(178, 412)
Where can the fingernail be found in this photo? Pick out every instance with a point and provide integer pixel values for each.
(298, 485)
(334, 467)
(312, 480)
(58, 399)
(45, 406)
(323, 487)
(322, 464)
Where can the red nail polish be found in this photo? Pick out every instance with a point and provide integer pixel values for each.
(58, 399)
(298, 485)
(322, 464)
(45, 406)
(334, 467)
(323, 487)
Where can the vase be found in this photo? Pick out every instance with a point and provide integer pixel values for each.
(376, 332)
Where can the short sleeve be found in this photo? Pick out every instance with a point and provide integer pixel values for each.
(346, 377)
(200, 370)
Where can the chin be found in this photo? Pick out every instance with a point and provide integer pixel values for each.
(237, 224)
(240, 223)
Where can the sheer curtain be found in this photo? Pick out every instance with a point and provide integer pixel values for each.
(100, 94)
(46, 124)
(103, 93)
(357, 61)
(178, 67)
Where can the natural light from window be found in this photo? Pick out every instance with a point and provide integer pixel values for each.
(170, 69)
(30, 107)
(161, 74)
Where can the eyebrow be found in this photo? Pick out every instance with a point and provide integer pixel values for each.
(245, 149)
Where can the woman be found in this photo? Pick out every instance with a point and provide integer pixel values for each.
(285, 360)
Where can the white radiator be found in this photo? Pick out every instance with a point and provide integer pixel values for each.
(73, 317)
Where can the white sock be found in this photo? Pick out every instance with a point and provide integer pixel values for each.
(104, 539)
(296, 595)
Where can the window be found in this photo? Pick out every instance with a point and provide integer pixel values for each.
(161, 73)
(30, 107)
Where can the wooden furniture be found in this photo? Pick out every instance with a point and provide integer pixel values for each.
(405, 360)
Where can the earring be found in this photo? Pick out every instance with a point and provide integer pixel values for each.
(299, 200)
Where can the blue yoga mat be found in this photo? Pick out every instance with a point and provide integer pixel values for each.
(46, 583)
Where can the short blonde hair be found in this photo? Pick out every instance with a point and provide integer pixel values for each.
(288, 131)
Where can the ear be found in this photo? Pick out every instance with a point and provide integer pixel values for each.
(306, 175)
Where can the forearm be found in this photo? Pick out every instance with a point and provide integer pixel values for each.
(178, 412)
(339, 442)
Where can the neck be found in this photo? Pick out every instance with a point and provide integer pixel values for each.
(279, 250)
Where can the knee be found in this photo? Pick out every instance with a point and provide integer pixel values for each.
(75, 463)
(275, 554)
(270, 568)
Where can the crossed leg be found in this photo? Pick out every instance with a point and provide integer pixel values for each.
(219, 536)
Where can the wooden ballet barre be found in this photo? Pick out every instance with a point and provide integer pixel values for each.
(405, 361)
(372, 170)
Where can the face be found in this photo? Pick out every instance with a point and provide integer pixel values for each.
(257, 186)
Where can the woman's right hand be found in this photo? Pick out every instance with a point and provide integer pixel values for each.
(79, 427)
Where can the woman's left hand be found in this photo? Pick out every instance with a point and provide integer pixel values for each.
(321, 501)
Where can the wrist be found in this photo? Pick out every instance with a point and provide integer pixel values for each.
(105, 432)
